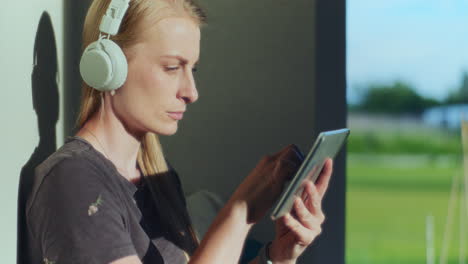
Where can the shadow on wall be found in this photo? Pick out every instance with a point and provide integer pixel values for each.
(45, 100)
(74, 13)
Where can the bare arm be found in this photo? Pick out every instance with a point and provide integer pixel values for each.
(133, 259)
(224, 240)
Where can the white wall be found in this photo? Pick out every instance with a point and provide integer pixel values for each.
(18, 25)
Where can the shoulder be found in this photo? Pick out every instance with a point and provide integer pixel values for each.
(69, 170)
(68, 190)
(82, 216)
(73, 155)
(73, 172)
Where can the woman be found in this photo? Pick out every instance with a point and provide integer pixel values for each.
(109, 196)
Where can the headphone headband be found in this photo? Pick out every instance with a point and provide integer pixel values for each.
(111, 21)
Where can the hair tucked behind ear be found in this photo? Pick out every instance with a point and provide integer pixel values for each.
(151, 160)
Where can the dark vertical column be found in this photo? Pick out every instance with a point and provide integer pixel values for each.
(330, 113)
(74, 13)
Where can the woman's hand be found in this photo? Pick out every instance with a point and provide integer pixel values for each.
(296, 231)
(262, 187)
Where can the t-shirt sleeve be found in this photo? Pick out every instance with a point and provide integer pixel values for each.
(77, 219)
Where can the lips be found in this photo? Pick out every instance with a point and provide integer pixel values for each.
(176, 115)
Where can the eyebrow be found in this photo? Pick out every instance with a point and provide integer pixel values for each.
(182, 59)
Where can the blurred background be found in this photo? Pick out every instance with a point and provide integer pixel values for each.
(407, 85)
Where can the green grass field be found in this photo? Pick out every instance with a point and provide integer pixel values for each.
(388, 199)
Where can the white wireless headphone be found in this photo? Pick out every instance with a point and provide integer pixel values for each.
(103, 64)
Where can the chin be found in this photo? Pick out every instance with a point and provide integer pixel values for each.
(167, 130)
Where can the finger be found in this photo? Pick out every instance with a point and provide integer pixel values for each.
(311, 197)
(324, 178)
(287, 168)
(303, 235)
(282, 151)
(304, 194)
(314, 203)
(290, 153)
(304, 215)
(295, 155)
(298, 152)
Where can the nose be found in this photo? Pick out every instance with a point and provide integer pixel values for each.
(188, 91)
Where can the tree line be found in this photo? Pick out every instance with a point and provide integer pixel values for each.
(400, 97)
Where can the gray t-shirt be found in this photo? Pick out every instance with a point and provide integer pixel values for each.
(82, 210)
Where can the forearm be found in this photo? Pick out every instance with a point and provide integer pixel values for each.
(224, 240)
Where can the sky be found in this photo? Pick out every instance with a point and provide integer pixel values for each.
(421, 42)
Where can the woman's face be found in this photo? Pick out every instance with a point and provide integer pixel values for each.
(160, 77)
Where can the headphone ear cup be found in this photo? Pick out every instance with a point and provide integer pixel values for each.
(103, 65)
(95, 67)
(119, 64)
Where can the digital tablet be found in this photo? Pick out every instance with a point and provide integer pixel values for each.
(327, 145)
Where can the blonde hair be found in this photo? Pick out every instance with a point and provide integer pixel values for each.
(151, 158)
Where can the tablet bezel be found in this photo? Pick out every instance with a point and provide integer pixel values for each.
(286, 200)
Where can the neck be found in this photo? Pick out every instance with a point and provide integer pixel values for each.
(109, 136)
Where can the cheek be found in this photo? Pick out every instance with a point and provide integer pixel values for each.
(154, 82)
(143, 82)
(146, 92)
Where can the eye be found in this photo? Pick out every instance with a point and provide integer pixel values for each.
(172, 68)
(194, 69)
